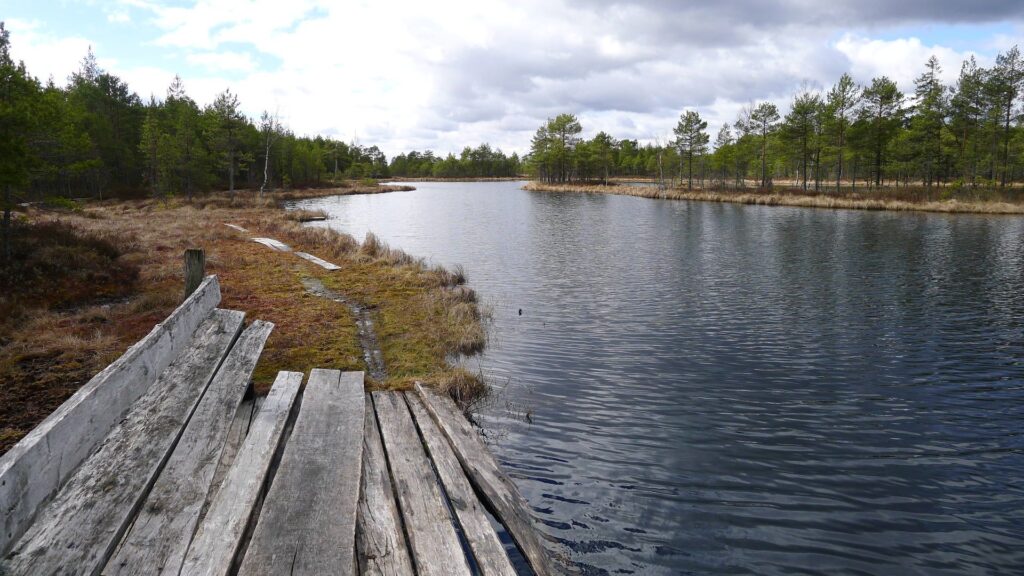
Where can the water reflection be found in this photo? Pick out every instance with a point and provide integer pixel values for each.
(734, 389)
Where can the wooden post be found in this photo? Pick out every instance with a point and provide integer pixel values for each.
(195, 269)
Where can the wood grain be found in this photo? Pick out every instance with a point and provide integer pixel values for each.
(164, 526)
(307, 525)
(433, 540)
(217, 541)
(37, 466)
(487, 549)
(495, 488)
(380, 537)
(78, 530)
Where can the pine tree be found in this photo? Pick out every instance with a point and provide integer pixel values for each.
(967, 111)
(929, 116)
(691, 140)
(224, 131)
(765, 120)
(17, 92)
(1008, 80)
(882, 110)
(841, 103)
(798, 129)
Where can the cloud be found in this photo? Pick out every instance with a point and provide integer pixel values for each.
(449, 73)
(223, 61)
(902, 59)
(119, 16)
(44, 53)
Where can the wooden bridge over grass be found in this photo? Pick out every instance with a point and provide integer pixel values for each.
(165, 463)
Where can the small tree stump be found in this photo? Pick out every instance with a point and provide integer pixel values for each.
(195, 269)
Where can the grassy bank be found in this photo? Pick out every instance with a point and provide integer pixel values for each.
(901, 199)
(89, 281)
(434, 179)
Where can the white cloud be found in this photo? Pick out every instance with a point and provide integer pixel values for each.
(119, 16)
(448, 73)
(901, 59)
(223, 61)
(44, 53)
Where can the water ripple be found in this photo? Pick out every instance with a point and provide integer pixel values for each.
(723, 389)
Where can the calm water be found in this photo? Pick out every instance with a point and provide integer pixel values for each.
(725, 389)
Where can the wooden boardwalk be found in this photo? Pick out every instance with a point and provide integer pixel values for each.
(197, 476)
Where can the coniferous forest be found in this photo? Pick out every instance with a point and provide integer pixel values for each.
(965, 135)
(95, 137)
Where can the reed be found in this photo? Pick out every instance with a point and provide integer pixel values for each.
(856, 201)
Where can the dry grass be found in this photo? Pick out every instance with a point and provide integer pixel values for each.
(424, 316)
(306, 215)
(461, 179)
(882, 200)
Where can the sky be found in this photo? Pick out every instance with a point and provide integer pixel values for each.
(445, 74)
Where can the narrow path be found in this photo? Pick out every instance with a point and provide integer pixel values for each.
(372, 354)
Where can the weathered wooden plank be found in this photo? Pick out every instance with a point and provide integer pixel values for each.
(498, 492)
(217, 541)
(380, 540)
(79, 529)
(274, 244)
(236, 437)
(257, 403)
(487, 548)
(308, 521)
(318, 261)
(164, 526)
(432, 538)
(36, 467)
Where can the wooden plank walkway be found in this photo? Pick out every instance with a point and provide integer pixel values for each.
(218, 540)
(275, 244)
(163, 528)
(202, 479)
(282, 247)
(87, 518)
(318, 261)
(307, 525)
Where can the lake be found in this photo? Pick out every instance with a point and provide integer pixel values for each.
(701, 388)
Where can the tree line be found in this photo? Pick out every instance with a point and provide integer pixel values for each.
(95, 137)
(968, 134)
(480, 162)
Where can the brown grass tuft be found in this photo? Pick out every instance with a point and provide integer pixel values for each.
(423, 316)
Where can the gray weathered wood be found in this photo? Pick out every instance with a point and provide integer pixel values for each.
(318, 261)
(195, 269)
(498, 492)
(308, 521)
(164, 526)
(257, 402)
(78, 530)
(236, 227)
(380, 539)
(36, 467)
(487, 549)
(217, 541)
(236, 437)
(274, 244)
(432, 537)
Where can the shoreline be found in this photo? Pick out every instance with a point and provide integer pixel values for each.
(433, 179)
(120, 274)
(792, 199)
